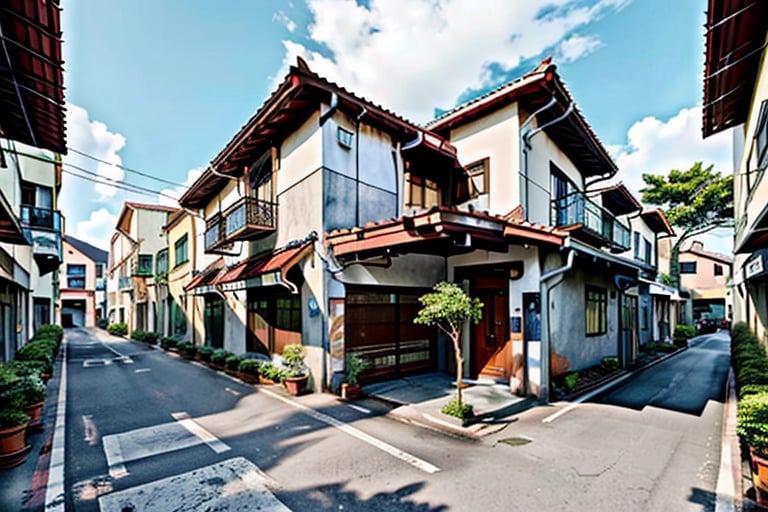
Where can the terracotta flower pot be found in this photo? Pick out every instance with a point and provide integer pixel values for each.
(13, 446)
(759, 466)
(248, 378)
(351, 391)
(296, 385)
(34, 411)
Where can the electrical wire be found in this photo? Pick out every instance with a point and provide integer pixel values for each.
(126, 169)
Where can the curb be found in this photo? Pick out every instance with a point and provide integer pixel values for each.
(729, 489)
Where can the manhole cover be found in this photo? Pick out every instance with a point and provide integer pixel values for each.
(515, 441)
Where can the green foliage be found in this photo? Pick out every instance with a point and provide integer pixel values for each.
(118, 329)
(751, 389)
(271, 372)
(448, 307)
(187, 349)
(293, 356)
(665, 279)
(611, 364)
(570, 381)
(682, 334)
(169, 343)
(249, 366)
(354, 365)
(54, 331)
(102, 323)
(12, 418)
(232, 362)
(151, 337)
(659, 346)
(752, 422)
(205, 353)
(457, 409)
(696, 200)
(38, 350)
(219, 357)
(30, 388)
(27, 368)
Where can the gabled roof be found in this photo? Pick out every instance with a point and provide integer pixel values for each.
(657, 221)
(618, 200)
(124, 220)
(294, 100)
(93, 253)
(722, 258)
(735, 42)
(534, 90)
(31, 75)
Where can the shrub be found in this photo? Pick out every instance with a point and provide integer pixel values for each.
(102, 323)
(168, 343)
(457, 409)
(138, 335)
(570, 381)
(27, 368)
(232, 362)
(50, 329)
(752, 422)
(354, 365)
(751, 389)
(118, 329)
(249, 366)
(187, 349)
(205, 353)
(30, 389)
(219, 357)
(12, 418)
(294, 355)
(682, 334)
(38, 351)
(151, 337)
(271, 372)
(611, 364)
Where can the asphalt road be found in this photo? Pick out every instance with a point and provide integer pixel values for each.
(148, 431)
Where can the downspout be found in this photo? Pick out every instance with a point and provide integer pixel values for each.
(332, 110)
(524, 137)
(357, 164)
(546, 342)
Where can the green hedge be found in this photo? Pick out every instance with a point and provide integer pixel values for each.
(118, 329)
(750, 364)
(682, 334)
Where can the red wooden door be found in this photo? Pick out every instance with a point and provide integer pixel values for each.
(492, 350)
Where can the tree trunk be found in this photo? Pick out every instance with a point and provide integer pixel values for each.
(674, 264)
(459, 365)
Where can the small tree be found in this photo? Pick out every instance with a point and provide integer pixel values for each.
(449, 307)
(697, 200)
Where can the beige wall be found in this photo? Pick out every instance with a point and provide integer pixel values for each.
(704, 278)
(72, 256)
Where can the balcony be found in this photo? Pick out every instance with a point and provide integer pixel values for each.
(248, 219)
(589, 222)
(124, 283)
(42, 227)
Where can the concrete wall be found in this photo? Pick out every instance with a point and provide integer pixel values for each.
(72, 256)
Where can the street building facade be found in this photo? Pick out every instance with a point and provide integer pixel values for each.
(83, 283)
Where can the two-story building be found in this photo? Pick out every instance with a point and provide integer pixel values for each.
(736, 96)
(137, 240)
(706, 275)
(83, 283)
(332, 216)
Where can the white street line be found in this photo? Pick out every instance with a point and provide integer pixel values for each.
(120, 356)
(359, 409)
(114, 457)
(211, 440)
(584, 398)
(352, 431)
(54, 492)
(142, 370)
(232, 391)
(233, 484)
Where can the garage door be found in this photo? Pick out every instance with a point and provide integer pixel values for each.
(379, 327)
(73, 315)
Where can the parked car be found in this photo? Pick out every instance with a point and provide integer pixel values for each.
(707, 325)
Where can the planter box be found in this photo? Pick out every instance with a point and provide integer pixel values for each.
(296, 385)
(248, 378)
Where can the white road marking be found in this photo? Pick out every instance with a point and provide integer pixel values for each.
(120, 356)
(584, 398)
(233, 484)
(54, 492)
(91, 432)
(359, 409)
(90, 363)
(359, 434)
(156, 440)
(142, 370)
(232, 391)
(211, 440)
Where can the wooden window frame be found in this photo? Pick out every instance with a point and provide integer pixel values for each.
(183, 240)
(682, 267)
(477, 168)
(412, 182)
(595, 296)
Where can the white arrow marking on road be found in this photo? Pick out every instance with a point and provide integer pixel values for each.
(211, 440)
(359, 434)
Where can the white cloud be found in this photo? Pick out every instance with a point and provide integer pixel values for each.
(283, 19)
(655, 147)
(164, 199)
(97, 229)
(414, 55)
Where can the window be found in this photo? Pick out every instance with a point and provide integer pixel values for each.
(636, 245)
(687, 267)
(566, 203)
(421, 192)
(99, 270)
(145, 265)
(161, 262)
(288, 313)
(478, 174)
(596, 311)
(76, 283)
(758, 151)
(718, 270)
(344, 137)
(75, 270)
(180, 251)
(647, 254)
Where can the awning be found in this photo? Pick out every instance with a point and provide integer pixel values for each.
(756, 236)
(265, 269)
(204, 282)
(31, 75)
(661, 290)
(10, 228)
(712, 293)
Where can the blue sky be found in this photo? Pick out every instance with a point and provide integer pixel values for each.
(160, 86)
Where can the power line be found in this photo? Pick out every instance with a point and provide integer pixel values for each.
(126, 169)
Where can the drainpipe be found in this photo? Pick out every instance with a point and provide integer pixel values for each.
(524, 138)
(546, 342)
(357, 164)
(332, 110)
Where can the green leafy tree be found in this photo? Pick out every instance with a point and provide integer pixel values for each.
(449, 307)
(696, 200)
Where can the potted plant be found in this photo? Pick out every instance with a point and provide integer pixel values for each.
(219, 358)
(354, 365)
(752, 426)
(296, 377)
(13, 421)
(231, 364)
(32, 391)
(248, 370)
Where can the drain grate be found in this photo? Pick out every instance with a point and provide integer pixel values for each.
(515, 441)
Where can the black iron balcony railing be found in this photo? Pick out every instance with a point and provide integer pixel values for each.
(596, 224)
(248, 219)
(40, 218)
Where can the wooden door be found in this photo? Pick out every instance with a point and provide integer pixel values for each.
(492, 350)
